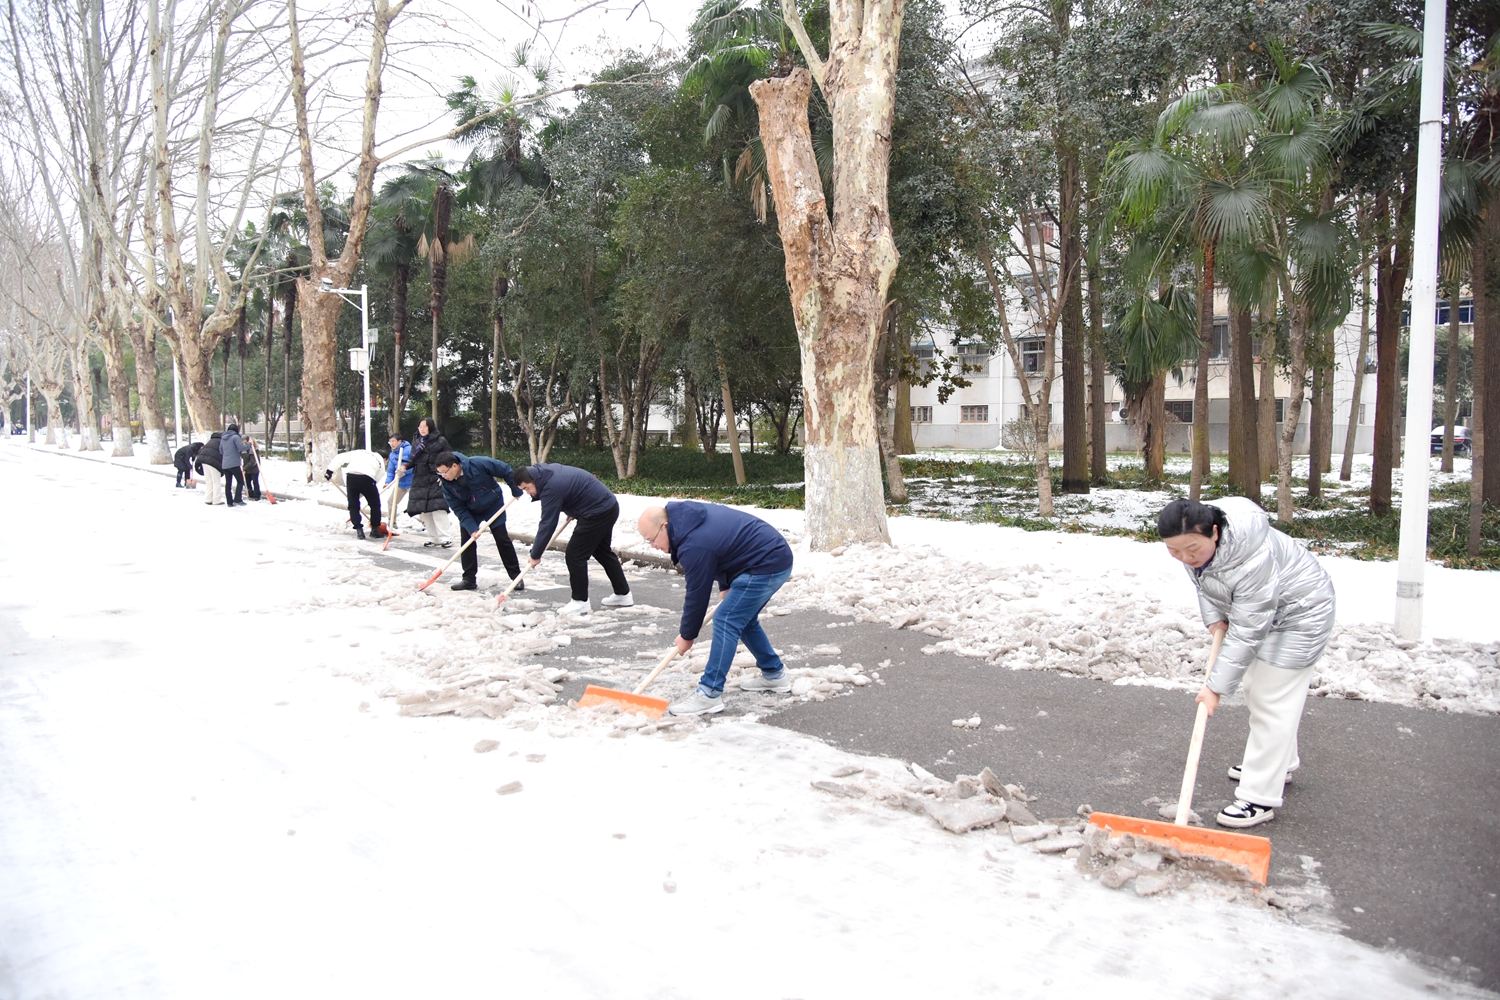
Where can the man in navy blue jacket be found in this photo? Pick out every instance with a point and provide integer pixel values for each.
(750, 561)
(470, 486)
(578, 493)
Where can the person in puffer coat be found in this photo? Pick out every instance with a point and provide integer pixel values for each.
(183, 461)
(252, 470)
(424, 500)
(360, 471)
(231, 448)
(1274, 605)
(209, 457)
(471, 485)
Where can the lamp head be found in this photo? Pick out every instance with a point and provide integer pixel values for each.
(326, 285)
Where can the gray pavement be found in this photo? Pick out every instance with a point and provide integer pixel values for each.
(1395, 812)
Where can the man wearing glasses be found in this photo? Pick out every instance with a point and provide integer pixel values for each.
(750, 560)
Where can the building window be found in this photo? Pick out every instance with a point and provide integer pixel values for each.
(1465, 311)
(1361, 412)
(1040, 231)
(1182, 409)
(974, 357)
(1031, 355)
(1281, 410)
(1218, 348)
(921, 414)
(1026, 412)
(974, 414)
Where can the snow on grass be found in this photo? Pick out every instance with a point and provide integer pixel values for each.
(206, 798)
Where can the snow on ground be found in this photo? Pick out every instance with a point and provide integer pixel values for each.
(202, 795)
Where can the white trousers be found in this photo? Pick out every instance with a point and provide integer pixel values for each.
(215, 484)
(439, 527)
(1275, 697)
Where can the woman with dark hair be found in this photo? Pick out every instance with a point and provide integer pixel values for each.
(1274, 605)
(425, 498)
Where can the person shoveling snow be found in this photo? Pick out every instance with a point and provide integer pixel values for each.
(1274, 605)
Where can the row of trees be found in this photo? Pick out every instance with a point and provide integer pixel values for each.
(767, 222)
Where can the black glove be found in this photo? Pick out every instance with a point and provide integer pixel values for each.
(328, 474)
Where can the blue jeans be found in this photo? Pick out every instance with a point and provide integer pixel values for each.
(735, 622)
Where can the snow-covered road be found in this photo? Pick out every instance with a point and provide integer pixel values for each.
(199, 797)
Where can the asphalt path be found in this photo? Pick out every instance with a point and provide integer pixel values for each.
(1393, 821)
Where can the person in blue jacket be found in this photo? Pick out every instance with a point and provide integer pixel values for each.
(578, 493)
(471, 487)
(399, 463)
(750, 561)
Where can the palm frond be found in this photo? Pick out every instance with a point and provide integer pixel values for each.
(1233, 210)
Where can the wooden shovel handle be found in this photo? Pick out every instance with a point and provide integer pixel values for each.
(1195, 748)
(672, 654)
(522, 575)
(467, 542)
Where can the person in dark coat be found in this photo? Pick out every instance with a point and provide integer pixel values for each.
(209, 457)
(471, 487)
(183, 462)
(425, 498)
(231, 448)
(750, 561)
(578, 493)
(252, 470)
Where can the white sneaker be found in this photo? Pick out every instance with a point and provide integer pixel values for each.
(575, 608)
(1235, 771)
(697, 703)
(760, 682)
(618, 601)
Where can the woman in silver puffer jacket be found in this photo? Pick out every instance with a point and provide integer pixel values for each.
(1275, 606)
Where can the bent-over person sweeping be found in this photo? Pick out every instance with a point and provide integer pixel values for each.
(1275, 606)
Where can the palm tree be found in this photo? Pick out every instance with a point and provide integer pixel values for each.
(391, 247)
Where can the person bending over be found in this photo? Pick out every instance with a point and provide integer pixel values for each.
(209, 457)
(470, 485)
(1274, 605)
(579, 494)
(360, 470)
(750, 561)
(183, 460)
(252, 470)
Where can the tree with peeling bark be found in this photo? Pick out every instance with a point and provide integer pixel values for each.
(839, 267)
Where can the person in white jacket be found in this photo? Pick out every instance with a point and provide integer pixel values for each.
(359, 471)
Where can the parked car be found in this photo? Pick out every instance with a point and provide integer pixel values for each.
(1463, 442)
(18, 428)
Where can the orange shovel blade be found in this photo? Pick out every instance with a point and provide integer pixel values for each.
(1252, 853)
(651, 708)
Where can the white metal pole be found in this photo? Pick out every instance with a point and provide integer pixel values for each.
(30, 431)
(1412, 559)
(364, 333)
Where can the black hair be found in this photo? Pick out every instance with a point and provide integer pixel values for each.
(432, 427)
(446, 459)
(234, 428)
(396, 436)
(1182, 516)
(523, 475)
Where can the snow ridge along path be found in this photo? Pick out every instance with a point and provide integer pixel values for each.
(194, 803)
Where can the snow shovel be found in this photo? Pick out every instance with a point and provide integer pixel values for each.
(1251, 853)
(467, 542)
(634, 701)
(522, 575)
(390, 529)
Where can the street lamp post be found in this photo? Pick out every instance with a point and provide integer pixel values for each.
(361, 361)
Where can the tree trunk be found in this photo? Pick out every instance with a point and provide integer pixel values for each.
(1098, 463)
(1346, 467)
(113, 342)
(1315, 457)
(839, 270)
(1486, 319)
(1489, 288)
(1285, 509)
(1244, 416)
(1150, 408)
(498, 292)
(1201, 375)
(320, 314)
(1265, 418)
(734, 430)
(1326, 448)
(1390, 281)
(902, 437)
(1075, 471)
(153, 423)
(437, 270)
(400, 279)
(1450, 380)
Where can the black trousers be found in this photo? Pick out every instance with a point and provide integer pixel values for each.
(183, 475)
(236, 478)
(591, 538)
(470, 556)
(252, 484)
(358, 486)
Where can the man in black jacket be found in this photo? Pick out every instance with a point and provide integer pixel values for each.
(579, 494)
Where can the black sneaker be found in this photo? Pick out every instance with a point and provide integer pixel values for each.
(465, 585)
(520, 586)
(1241, 814)
(360, 531)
